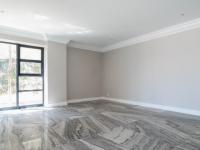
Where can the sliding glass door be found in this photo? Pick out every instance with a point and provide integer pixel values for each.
(8, 79)
(21, 76)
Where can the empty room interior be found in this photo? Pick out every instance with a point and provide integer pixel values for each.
(99, 74)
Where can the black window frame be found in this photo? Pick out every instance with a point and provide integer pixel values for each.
(30, 61)
(18, 74)
(19, 60)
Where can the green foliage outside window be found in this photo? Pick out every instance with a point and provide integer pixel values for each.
(7, 76)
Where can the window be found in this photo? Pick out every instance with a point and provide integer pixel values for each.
(21, 75)
(30, 53)
(30, 75)
(30, 68)
(30, 83)
(8, 82)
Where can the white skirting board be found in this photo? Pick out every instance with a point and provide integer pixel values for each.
(156, 106)
(71, 101)
(137, 103)
(56, 104)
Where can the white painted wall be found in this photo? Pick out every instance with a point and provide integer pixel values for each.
(164, 71)
(57, 73)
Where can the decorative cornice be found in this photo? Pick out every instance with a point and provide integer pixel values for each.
(155, 35)
(56, 39)
(20, 33)
(84, 46)
(193, 24)
(32, 35)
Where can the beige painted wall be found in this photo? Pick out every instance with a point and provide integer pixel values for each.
(84, 73)
(164, 71)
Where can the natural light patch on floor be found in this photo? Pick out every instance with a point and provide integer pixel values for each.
(25, 110)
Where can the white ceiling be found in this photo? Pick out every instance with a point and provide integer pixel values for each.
(96, 22)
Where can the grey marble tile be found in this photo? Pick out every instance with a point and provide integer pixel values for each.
(98, 125)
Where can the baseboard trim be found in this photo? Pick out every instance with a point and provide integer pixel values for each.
(136, 103)
(57, 104)
(72, 101)
(156, 106)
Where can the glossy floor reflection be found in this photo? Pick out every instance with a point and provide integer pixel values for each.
(98, 125)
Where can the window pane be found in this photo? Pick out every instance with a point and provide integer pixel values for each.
(7, 75)
(30, 53)
(30, 68)
(30, 98)
(30, 83)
